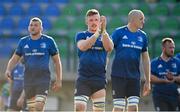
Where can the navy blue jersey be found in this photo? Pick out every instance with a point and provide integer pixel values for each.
(128, 48)
(178, 55)
(159, 68)
(92, 62)
(36, 54)
(18, 77)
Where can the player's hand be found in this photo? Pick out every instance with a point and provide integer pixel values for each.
(103, 23)
(8, 75)
(147, 88)
(56, 85)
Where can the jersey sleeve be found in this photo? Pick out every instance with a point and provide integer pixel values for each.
(145, 45)
(153, 68)
(178, 66)
(80, 36)
(115, 38)
(19, 49)
(53, 47)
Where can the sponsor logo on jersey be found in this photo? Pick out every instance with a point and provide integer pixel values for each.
(124, 37)
(43, 45)
(160, 66)
(26, 46)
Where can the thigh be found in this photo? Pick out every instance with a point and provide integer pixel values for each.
(42, 89)
(118, 87)
(97, 86)
(82, 88)
(30, 92)
(160, 104)
(133, 88)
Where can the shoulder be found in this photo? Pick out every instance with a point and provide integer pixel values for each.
(122, 28)
(81, 33)
(47, 37)
(142, 32)
(155, 60)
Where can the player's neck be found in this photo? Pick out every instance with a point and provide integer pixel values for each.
(164, 57)
(131, 27)
(35, 37)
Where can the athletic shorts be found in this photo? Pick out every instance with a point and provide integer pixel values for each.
(125, 87)
(164, 104)
(40, 89)
(89, 87)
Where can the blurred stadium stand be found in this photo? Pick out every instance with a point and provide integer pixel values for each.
(62, 19)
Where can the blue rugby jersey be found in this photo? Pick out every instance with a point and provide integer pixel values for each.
(178, 55)
(92, 62)
(36, 54)
(159, 68)
(18, 77)
(128, 48)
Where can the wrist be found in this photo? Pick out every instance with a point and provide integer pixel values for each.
(97, 33)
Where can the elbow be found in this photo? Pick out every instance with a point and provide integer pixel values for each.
(82, 48)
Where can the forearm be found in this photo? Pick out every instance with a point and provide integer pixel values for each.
(88, 43)
(146, 66)
(58, 69)
(177, 78)
(107, 42)
(155, 79)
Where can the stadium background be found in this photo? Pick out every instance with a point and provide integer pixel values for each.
(63, 18)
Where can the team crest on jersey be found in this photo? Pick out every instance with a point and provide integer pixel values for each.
(174, 65)
(160, 66)
(34, 50)
(140, 39)
(43, 45)
(26, 46)
(124, 37)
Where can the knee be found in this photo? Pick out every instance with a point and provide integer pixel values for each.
(99, 104)
(80, 103)
(132, 103)
(40, 102)
(119, 104)
(80, 107)
(39, 106)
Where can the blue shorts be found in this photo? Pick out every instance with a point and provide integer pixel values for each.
(88, 87)
(40, 89)
(125, 87)
(13, 100)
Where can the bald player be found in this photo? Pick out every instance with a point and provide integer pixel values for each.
(130, 43)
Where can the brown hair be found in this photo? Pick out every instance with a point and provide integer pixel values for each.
(167, 39)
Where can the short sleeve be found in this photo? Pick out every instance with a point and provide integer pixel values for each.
(53, 47)
(80, 36)
(115, 38)
(153, 67)
(19, 50)
(145, 44)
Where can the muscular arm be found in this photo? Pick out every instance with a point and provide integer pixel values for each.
(107, 42)
(146, 65)
(58, 67)
(84, 45)
(155, 79)
(11, 64)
